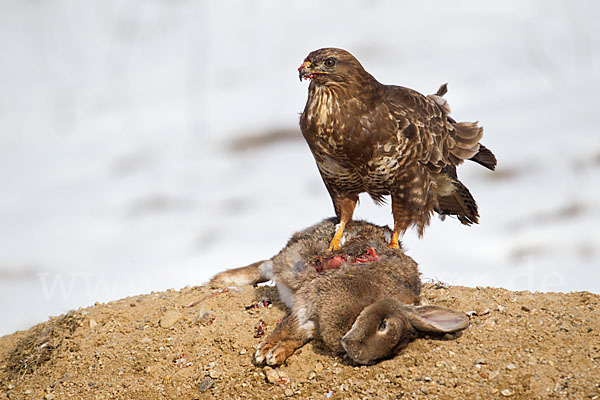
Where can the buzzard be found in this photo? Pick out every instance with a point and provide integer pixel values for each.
(386, 140)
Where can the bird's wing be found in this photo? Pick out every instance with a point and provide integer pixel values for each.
(425, 126)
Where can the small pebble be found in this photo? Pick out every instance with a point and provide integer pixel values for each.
(213, 374)
(272, 375)
(170, 318)
(205, 384)
(319, 368)
(243, 351)
(93, 323)
(506, 393)
(511, 366)
(49, 396)
(288, 392)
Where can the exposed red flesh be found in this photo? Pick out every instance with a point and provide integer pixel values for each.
(336, 261)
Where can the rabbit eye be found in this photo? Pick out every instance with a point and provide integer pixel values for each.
(329, 62)
(382, 326)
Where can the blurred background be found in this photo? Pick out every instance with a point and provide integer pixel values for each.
(147, 145)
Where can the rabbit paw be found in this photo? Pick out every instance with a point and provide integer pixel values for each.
(275, 353)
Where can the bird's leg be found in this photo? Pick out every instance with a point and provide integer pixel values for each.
(401, 222)
(394, 244)
(335, 243)
(344, 207)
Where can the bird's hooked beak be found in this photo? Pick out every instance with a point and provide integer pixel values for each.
(303, 70)
(306, 72)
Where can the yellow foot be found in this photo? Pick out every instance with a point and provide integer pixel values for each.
(335, 243)
(393, 245)
(394, 242)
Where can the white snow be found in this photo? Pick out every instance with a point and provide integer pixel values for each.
(116, 121)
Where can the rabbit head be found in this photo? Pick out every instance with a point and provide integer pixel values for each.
(385, 327)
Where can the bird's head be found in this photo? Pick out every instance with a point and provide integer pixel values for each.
(330, 65)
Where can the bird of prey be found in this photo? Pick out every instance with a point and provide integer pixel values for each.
(386, 140)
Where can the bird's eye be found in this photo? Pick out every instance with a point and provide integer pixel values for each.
(382, 326)
(329, 62)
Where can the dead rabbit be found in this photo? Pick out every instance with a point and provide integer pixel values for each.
(361, 300)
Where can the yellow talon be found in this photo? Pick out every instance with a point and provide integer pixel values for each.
(335, 243)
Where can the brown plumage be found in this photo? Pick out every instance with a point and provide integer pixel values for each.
(386, 140)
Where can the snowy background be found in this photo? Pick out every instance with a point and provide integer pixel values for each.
(147, 145)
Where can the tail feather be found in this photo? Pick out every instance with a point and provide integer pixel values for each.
(466, 136)
(466, 139)
(454, 198)
(485, 157)
(469, 132)
(442, 90)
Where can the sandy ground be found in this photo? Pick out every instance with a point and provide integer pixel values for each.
(199, 343)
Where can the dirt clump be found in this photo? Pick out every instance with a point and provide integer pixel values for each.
(200, 342)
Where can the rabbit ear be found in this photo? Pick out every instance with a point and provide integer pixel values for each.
(435, 319)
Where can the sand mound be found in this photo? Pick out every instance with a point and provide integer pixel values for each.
(199, 343)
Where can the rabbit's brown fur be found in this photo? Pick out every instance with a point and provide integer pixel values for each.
(329, 293)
